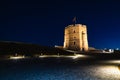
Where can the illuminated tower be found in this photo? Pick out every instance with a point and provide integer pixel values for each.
(75, 37)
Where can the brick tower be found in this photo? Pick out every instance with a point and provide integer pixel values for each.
(75, 37)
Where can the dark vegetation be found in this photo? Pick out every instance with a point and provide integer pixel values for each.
(31, 50)
(11, 48)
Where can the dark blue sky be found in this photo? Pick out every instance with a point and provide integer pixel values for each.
(43, 21)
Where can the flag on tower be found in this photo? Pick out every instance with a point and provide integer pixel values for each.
(74, 20)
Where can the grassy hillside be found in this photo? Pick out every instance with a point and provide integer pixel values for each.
(11, 48)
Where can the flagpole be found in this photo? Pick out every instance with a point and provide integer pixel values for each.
(74, 21)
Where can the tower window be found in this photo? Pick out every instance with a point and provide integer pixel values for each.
(74, 43)
(74, 37)
(74, 31)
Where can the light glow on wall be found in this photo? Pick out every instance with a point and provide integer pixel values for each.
(73, 57)
(17, 57)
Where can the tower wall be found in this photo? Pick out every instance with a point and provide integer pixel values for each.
(75, 37)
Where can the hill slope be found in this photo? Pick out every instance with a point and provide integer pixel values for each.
(11, 48)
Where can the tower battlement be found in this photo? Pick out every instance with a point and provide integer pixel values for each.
(76, 25)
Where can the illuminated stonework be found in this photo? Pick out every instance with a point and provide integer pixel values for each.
(75, 37)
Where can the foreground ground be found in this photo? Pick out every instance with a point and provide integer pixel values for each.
(60, 68)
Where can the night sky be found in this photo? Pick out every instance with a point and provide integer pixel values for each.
(42, 22)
